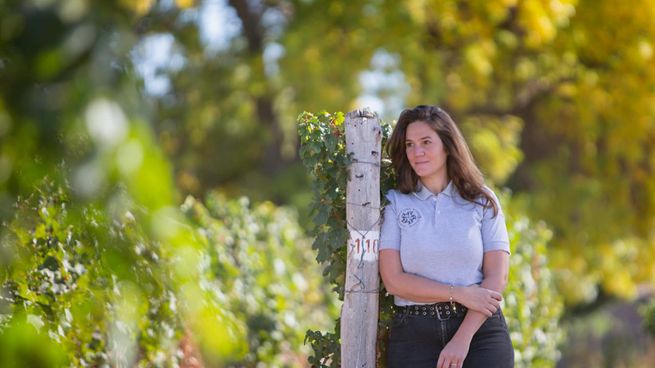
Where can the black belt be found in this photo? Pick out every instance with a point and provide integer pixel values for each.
(441, 311)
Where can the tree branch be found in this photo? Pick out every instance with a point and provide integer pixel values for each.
(251, 21)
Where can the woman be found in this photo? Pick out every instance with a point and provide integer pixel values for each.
(444, 250)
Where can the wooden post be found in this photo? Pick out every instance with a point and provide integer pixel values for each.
(359, 314)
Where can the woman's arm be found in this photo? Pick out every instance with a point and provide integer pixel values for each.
(423, 290)
(495, 267)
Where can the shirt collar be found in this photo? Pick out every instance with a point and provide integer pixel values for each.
(424, 193)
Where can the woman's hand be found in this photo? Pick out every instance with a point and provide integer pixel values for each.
(454, 353)
(479, 299)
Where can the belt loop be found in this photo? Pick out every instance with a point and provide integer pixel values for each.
(404, 315)
(439, 310)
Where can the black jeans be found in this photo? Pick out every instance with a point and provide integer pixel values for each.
(416, 342)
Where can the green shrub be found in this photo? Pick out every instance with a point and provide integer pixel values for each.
(91, 288)
(261, 261)
(96, 286)
(532, 305)
(648, 312)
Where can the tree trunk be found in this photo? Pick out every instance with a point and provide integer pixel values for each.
(254, 31)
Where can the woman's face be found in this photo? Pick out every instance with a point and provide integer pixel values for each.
(425, 151)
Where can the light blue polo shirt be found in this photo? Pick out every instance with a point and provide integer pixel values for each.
(442, 236)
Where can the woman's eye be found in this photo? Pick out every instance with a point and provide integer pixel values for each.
(426, 142)
(408, 144)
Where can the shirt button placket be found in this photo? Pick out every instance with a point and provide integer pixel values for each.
(435, 199)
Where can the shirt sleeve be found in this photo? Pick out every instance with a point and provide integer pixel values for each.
(390, 231)
(494, 229)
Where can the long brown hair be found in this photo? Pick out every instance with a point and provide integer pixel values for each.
(460, 166)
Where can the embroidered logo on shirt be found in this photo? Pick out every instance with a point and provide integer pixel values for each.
(408, 217)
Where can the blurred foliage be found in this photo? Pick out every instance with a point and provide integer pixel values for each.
(100, 289)
(263, 266)
(18, 342)
(648, 313)
(102, 262)
(102, 292)
(70, 110)
(532, 305)
(613, 336)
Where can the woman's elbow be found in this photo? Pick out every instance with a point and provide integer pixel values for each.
(390, 283)
(496, 281)
(503, 279)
